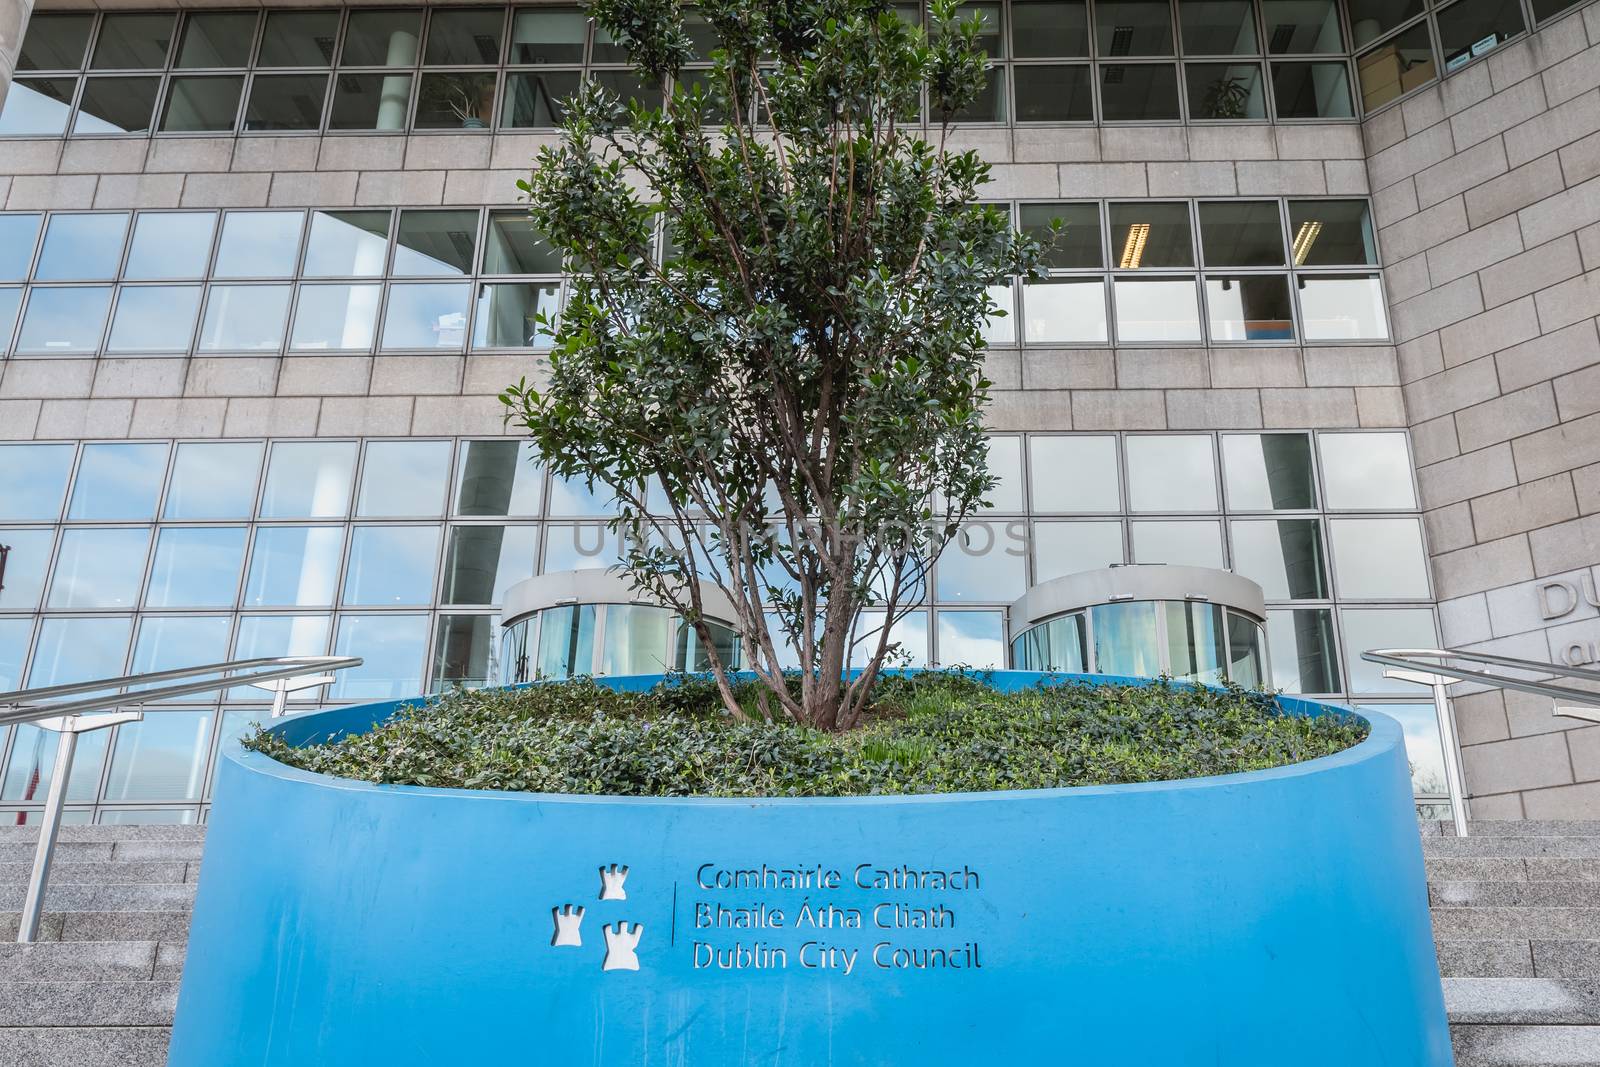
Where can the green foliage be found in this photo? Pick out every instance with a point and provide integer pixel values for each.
(797, 368)
(931, 732)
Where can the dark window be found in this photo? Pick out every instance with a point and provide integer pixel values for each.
(538, 98)
(1394, 68)
(1133, 28)
(1371, 19)
(556, 35)
(464, 38)
(370, 102)
(286, 102)
(201, 105)
(1150, 234)
(54, 42)
(381, 39)
(217, 39)
(1076, 243)
(1048, 29)
(457, 101)
(1470, 28)
(1225, 91)
(435, 242)
(1241, 233)
(1049, 93)
(298, 39)
(1218, 27)
(990, 106)
(116, 105)
(1139, 92)
(1295, 27)
(1331, 233)
(1311, 90)
(133, 42)
(513, 246)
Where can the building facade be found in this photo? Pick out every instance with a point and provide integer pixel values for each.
(1326, 315)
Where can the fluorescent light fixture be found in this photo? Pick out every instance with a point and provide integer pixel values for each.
(1304, 238)
(1133, 248)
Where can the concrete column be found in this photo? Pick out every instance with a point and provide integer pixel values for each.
(13, 23)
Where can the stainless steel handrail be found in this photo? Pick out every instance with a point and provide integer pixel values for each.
(1431, 667)
(69, 718)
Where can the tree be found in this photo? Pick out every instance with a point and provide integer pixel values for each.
(772, 352)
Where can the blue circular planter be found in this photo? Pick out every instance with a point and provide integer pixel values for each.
(1255, 919)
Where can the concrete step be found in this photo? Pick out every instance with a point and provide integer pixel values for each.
(1523, 1001)
(62, 872)
(1482, 922)
(1515, 894)
(1523, 847)
(146, 1003)
(106, 834)
(107, 851)
(80, 961)
(103, 926)
(91, 1046)
(1520, 958)
(1515, 828)
(105, 896)
(1526, 1046)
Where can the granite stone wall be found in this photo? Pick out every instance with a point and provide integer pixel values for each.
(13, 22)
(1486, 189)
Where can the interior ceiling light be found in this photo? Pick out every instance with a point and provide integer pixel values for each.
(1133, 247)
(1304, 238)
(1121, 41)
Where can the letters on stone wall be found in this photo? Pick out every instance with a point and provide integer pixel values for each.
(1562, 597)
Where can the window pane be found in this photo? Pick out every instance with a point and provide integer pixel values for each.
(391, 565)
(1245, 651)
(1001, 328)
(990, 104)
(54, 42)
(1194, 641)
(335, 317)
(482, 562)
(170, 244)
(1218, 27)
(553, 35)
(161, 758)
(347, 244)
(404, 478)
(498, 478)
(1379, 559)
(81, 247)
(1268, 472)
(1472, 27)
(579, 547)
(566, 641)
(26, 566)
(627, 85)
(1403, 64)
(298, 39)
(1151, 234)
(1048, 28)
(118, 482)
(1343, 307)
(513, 246)
(10, 304)
(1054, 93)
(133, 42)
(1076, 243)
(538, 99)
(166, 644)
(201, 105)
(1156, 310)
(637, 640)
(1225, 91)
(465, 38)
(1074, 474)
(1187, 544)
(294, 565)
(1284, 557)
(1142, 92)
(984, 563)
(258, 244)
(1005, 463)
(213, 480)
(1371, 19)
(1302, 652)
(217, 39)
(1249, 307)
(33, 753)
(1312, 90)
(463, 652)
(1065, 311)
(435, 242)
(1424, 750)
(988, 16)
(458, 101)
(969, 638)
(426, 316)
(63, 320)
(391, 647)
(244, 318)
(569, 496)
(1332, 233)
(381, 39)
(99, 569)
(33, 479)
(14, 634)
(1544, 9)
(1245, 233)
(1366, 629)
(116, 105)
(79, 650)
(1125, 640)
(509, 316)
(37, 107)
(264, 636)
(154, 318)
(286, 102)
(1299, 26)
(196, 567)
(18, 235)
(1171, 472)
(309, 480)
(1366, 470)
(1061, 548)
(370, 102)
(1133, 28)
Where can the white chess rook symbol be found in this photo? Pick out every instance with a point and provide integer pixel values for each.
(611, 879)
(620, 945)
(568, 919)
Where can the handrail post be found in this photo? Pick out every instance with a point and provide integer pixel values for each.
(49, 829)
(1455, 780)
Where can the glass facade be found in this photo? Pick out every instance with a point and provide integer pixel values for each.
(1186, 640)
(571, 640)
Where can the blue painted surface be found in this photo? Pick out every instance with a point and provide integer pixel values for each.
(1270, 918)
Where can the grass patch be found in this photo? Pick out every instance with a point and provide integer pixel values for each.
(933, 732)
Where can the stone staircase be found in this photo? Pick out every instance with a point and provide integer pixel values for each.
(1516, 912)
(99, 987)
